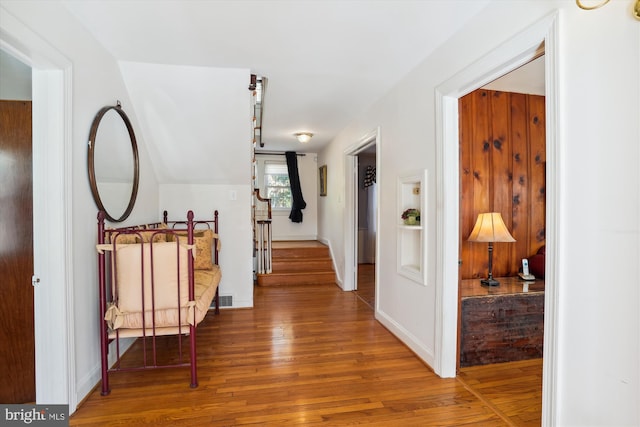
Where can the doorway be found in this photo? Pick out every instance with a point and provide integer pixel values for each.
(367, 202)
(516, 51)
(502, 169)
(368, 145)
(52, 237)
(17, 356)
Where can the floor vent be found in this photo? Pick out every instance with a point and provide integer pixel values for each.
(226, 300)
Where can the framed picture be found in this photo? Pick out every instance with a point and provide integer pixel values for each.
(322, 170)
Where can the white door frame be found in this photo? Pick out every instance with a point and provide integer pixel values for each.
(52, 237)
(351, 209)
(515, 52)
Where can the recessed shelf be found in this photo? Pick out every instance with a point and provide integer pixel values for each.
(411, 238)
(411, 227)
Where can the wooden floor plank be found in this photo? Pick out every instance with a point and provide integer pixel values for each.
(311, 355)
(366, 283)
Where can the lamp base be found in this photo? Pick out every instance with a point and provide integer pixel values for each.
(489, 282)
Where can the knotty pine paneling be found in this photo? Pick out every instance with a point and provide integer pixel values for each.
(502, 169)
(521, 182)
(466, 185)
(502, 174)
(538, 149)
(481, 169)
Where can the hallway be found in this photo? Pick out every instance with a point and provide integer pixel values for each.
(309, 355)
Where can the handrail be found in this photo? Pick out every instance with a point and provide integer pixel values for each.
(262, 236)
(262, 199)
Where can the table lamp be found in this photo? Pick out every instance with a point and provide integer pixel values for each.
(490, 228)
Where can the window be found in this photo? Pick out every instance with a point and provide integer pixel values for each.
(276, 183)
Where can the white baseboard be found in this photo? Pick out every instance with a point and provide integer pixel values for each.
(87, 383)
(408, 339)
(339, 279)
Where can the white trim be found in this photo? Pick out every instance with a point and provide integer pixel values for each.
(350, 282)
(351, 210)
(447, 191)
(552, 293)
(513, 53)
(339, 281)
(52, 124)
(53, 296)
(414, 343)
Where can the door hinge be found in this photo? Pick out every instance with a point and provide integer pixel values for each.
(34, 280)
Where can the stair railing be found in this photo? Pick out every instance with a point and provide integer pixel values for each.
(262, 234)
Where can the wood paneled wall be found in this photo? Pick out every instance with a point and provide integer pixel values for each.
(502, 169)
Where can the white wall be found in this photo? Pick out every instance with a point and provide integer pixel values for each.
(599, 325)
(15, 83)
(282, 227)
(597, 370)
(236, 260)
(198, 119)
(96, 82)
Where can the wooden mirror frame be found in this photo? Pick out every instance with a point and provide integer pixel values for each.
(91, 161)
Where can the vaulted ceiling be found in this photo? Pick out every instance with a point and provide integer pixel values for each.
(326, 61)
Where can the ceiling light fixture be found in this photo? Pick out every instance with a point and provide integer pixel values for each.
(303, 137)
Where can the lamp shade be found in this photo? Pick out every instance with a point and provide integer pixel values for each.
(490, 228)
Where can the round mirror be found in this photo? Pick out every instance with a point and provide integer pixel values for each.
(113, 163)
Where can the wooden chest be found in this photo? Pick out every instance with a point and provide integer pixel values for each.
(502, 323)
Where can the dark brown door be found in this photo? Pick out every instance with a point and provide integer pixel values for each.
(17, 348)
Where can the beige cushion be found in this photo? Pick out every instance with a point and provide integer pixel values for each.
(147, 234)
(123, 239)
(206, 284)
(171, 287)
(141, 232)
(203, 240)
(129, 324)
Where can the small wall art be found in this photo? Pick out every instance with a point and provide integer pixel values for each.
(322, 170)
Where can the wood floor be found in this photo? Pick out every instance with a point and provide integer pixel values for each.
(367, 284)
(310, 355)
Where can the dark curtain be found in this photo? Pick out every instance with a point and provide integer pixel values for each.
(296, 191)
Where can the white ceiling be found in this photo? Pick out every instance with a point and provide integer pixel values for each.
(326, 61)
(528, 78)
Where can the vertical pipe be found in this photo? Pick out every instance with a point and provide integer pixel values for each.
(215, 257)
(269, 242)
(104, 346)
(259, 249)
(192, 328)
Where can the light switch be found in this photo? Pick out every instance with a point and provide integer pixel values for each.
(233, 195)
